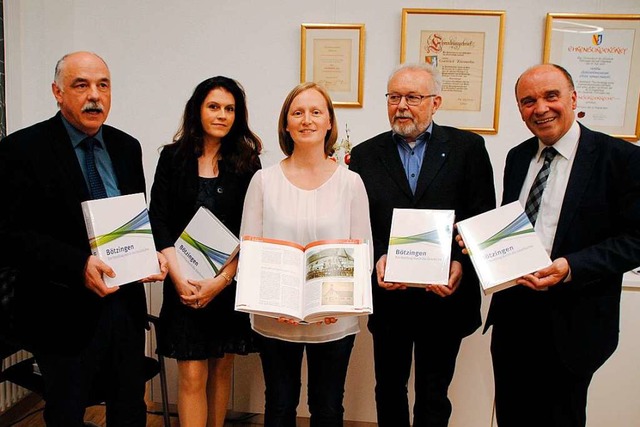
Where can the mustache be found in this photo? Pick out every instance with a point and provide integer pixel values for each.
(92, 107)
(402, 116)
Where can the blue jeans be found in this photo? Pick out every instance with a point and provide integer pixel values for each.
(327, 370)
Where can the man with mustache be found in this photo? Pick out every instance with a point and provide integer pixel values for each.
(421, 165)
(551, 334)
(82, 333)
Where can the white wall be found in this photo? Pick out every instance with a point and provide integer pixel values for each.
(158, 50)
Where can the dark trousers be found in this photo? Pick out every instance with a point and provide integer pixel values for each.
(111, 363)
(533, 387)
(327, 371)
(435, 360)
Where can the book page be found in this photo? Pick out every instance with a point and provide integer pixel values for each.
(336, 274)
(269, 278)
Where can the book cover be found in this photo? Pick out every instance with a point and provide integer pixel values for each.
(420, 247)
(503, 246)
(329, 278)
(204, 246)
(120, 235)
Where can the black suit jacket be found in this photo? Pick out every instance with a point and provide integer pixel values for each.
(43, 233)
(456, 174)
(598, 233)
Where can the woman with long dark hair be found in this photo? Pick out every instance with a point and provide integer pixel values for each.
(210, 163)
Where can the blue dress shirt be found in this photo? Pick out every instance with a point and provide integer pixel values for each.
(412, 157)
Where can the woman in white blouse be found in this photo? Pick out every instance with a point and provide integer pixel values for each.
(306, 197)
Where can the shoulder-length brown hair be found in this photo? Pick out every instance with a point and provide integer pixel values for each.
(286, 142)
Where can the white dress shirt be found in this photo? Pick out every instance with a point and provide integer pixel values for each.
(553, 195)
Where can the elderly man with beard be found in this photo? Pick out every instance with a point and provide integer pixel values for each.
(421, 165)
(82, 333)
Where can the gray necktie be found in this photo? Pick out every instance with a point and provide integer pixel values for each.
(535, 195)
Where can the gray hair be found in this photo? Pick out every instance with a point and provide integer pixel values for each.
(57, 75)
(436, 77)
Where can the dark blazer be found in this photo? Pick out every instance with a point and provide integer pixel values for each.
(43, 233)
(598, 233)
(173, 203)
(174, 194)
(456, 174)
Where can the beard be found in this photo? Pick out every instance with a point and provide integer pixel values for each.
(407, 130)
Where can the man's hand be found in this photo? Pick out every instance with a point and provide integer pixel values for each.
(461, 244)
(548, 276)
(164, 268)
(455, 277)
(380, 267)
(93, 271)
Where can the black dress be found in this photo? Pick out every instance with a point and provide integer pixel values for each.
(185, 333)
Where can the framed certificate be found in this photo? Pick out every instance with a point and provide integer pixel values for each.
(602, 54)
(332, 55)
(466, 47)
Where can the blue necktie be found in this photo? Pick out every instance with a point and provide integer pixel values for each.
(96, 186)
(535, 194)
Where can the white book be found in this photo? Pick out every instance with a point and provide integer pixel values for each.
(205, 246)
(420, 247)
(503, 246)
(328, 278)
(120, 235)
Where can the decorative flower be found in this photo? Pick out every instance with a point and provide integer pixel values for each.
(342, 148)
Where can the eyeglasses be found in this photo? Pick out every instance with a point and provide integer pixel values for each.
(412, 100)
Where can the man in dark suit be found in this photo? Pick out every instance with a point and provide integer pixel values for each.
(421, 165)
(550, 335)
(81, 332)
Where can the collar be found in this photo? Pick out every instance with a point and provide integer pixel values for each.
(566, 146)
(422, 138)
(77, 136)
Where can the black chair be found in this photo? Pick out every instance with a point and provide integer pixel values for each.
(26, 375)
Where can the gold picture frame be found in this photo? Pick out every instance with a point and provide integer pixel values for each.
(602, 54)
(466, 46)
(332, 55)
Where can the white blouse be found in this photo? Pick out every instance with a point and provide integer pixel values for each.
(275, 208)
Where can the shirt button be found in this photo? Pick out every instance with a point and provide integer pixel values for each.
(413, 175)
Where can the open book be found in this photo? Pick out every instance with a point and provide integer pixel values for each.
(503, 246)
(329, 278)
(205, 246)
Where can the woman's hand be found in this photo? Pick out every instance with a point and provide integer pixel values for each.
(185, 291)
(206, 290)
(290, 321)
